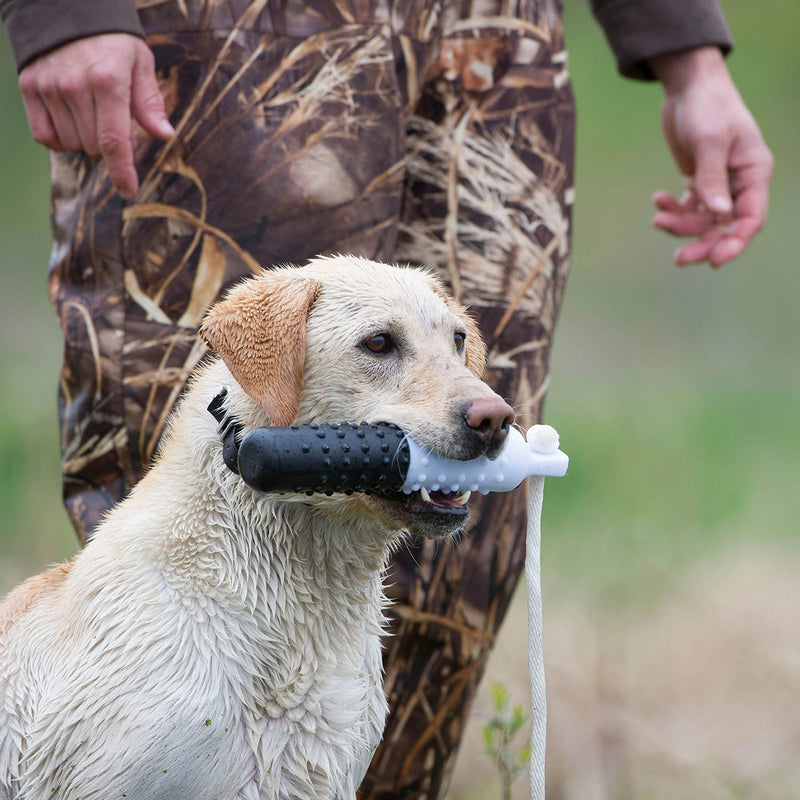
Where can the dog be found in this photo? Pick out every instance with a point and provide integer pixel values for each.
(214, 642)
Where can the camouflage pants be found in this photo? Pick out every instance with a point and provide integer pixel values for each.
(435, 132)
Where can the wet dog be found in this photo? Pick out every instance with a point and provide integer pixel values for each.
(216, 642)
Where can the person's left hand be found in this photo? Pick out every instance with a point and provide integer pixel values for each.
(717, 144)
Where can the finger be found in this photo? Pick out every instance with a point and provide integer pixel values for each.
(752, 196)
(664, 201)
(695, 252)
(726, 250)
(78, 100)
(684, 224)
(147, 101)
(750, 208)
(60, 116)
(711, 174)
(112, 101)
(736, 239)
(42, 129)
(721, 244)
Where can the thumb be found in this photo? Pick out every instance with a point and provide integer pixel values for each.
(711, 175)
(147, 103)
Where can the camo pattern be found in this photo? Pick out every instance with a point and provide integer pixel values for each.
(436, 133)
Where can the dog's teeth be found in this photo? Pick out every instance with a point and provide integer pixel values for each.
(423, 493)
(463, 499)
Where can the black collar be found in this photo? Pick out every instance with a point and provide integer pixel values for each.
(230, 430)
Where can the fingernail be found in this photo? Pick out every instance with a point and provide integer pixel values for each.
(166, 128)
(720, 203)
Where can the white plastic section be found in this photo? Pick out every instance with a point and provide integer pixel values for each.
(518, 459)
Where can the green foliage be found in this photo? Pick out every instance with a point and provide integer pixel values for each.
(499, 739)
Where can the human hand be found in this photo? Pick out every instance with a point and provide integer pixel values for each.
(81, 96)
(717, 144)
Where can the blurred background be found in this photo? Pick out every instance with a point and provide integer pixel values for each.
(671, 551)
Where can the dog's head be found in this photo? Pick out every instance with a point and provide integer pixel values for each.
(344, 339)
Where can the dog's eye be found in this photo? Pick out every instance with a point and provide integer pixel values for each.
(460, 338)
(379, 343)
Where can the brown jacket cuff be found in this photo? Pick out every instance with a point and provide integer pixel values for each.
(36, 26)
(638, 30)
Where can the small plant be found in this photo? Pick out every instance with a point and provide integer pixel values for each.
(499, 736)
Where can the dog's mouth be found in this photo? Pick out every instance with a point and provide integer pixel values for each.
(438, 502)
(431, 514)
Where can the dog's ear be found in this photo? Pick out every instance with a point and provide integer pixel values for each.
(259, 330)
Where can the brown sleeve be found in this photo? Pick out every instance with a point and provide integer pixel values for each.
(640, 29)
(36, 26)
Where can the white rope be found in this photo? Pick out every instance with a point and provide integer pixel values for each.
(533, 581)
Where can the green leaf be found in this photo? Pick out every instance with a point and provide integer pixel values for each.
(518, 719)
(500, 695)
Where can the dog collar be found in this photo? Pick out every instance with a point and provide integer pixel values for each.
(230, 430)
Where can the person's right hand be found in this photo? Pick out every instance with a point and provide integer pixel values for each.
(81, 96)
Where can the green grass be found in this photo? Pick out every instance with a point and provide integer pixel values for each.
(662, 476)
(33, 527)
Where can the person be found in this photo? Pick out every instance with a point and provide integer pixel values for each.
(195, 140)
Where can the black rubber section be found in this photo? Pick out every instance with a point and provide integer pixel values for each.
(327, 459)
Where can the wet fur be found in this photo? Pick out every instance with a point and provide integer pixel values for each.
(212, 641)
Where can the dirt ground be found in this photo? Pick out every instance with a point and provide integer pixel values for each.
(696, 697)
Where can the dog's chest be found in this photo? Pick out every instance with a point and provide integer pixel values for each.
(241, 712)
(320, 729)
(301, 672)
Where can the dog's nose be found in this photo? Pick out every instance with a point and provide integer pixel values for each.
(489, 419)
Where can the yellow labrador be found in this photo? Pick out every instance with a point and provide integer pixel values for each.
(213, 642)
